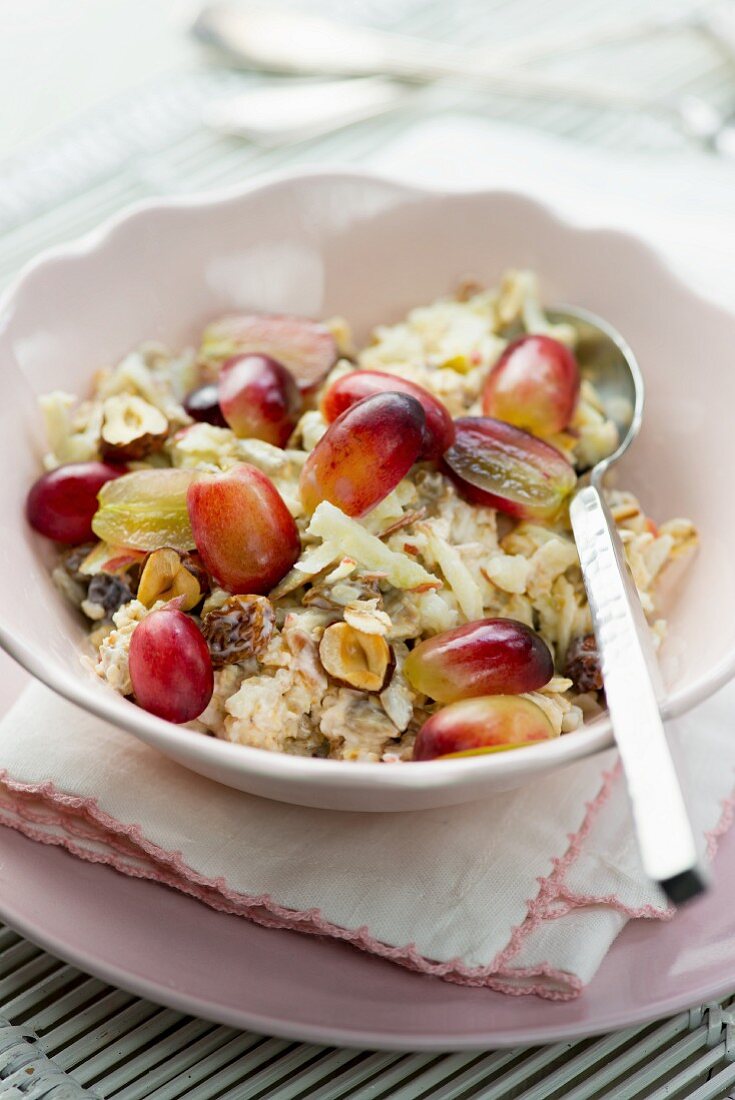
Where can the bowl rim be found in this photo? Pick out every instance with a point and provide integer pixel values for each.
(102, 701)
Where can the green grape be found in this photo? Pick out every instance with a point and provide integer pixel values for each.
(146, 510)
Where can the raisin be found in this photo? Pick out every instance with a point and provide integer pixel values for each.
(582, 665)
(239, 629)
(109, 592)
(73, 559)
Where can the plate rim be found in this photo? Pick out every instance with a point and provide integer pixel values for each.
(117, 974)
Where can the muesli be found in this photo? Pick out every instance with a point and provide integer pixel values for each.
(295, 545)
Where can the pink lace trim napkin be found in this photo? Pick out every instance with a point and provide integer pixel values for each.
(522, 893)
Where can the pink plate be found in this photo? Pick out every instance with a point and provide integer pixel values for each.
(174, 950)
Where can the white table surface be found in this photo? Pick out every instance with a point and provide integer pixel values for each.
(60, 58)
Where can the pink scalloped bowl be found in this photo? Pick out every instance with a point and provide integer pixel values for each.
(368, 248)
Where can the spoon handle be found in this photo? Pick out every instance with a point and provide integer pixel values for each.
(633, 687)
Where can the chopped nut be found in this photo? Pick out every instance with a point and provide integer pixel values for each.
(240, 628)
(398, 697)
(193, 564)
(468, 288)
(311, 563)
(404, 521)
(359, 659)
(583, 664)
(366, 617)
(164, 577)
(131, 427)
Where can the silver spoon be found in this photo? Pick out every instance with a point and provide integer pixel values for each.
(633, 685)
(712, 128)
(266, 37)
(294, 110)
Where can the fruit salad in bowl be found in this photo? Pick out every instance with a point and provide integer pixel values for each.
(357, 553)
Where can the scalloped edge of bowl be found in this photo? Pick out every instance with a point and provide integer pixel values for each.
(211, 754)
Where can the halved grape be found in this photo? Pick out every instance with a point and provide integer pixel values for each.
(496, 464)
(364, 453)
(146, 510)
(245, 534)
(534, 385)
(486, 657)
(259, 398)
(305, 347)
(351, 388)
(486, 724)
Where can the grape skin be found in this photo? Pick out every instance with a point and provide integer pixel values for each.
(62, 502)
(170, 667)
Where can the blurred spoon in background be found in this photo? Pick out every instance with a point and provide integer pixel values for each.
(278, 40)
(296, 110)
(269, 39)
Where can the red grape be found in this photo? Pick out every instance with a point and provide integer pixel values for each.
(259, 398)
(203, 405)
(245, 534)
(364, 453)
(352, 387)
(62, 502)
(499, 465)
(475, 727)
(487, 657)
(534, 385)
(170, 666)
(306, 348)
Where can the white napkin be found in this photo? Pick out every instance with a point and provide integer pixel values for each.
(523, 892)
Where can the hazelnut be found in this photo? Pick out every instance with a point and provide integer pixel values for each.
(366, 617)
(131, 428)
(164, 577)
(358, 659)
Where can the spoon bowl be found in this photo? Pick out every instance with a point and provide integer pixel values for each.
(608, 362)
